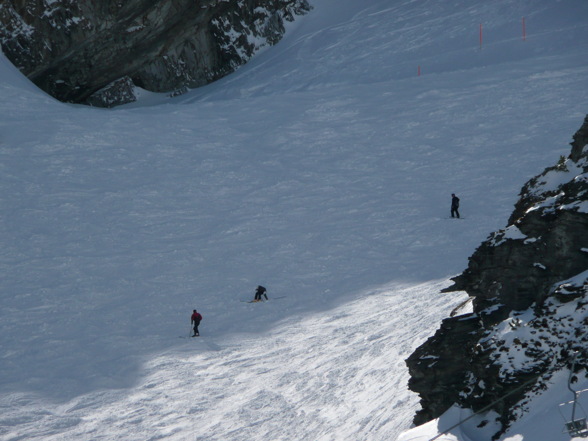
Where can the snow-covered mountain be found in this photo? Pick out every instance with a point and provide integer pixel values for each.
(95, 53)
(322, 170)
(528, 285)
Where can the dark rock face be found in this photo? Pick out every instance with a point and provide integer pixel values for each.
(74, 48)
(438, 373)
(529, 285)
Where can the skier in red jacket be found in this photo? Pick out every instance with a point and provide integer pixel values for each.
(195, 321)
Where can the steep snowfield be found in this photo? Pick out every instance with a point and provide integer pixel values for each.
(322, 170)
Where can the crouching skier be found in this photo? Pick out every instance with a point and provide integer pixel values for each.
(260, 291)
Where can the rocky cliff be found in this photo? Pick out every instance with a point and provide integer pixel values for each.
(529, 288)
(87, 51)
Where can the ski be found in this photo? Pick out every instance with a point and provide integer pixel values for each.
(261, 301)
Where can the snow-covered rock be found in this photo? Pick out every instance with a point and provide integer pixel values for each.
(75, 49)
(529, 284)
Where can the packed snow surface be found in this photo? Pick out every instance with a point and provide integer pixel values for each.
(322, 170)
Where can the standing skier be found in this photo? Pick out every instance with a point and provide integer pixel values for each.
(260, 291)
(195, 321)
(454, 206)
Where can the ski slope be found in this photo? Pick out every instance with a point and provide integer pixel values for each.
(322, 170)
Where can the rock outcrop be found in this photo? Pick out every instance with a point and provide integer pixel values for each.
(87, 51)
(529, 287)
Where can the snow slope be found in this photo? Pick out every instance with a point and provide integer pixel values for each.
(322, 170)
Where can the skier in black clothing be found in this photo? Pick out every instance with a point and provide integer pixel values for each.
(260, 291)
(454, 206)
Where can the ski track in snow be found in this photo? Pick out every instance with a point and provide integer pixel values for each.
(323, 170)
(235, 388)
